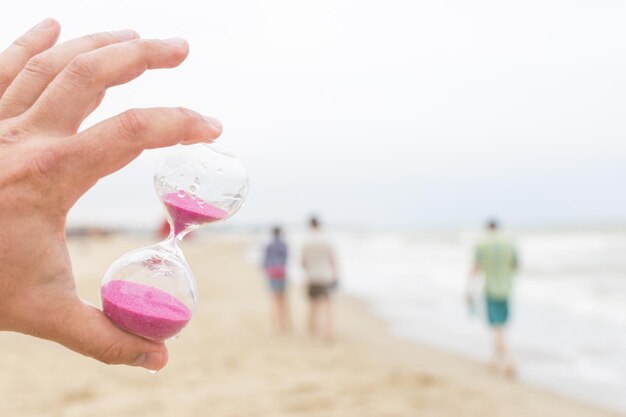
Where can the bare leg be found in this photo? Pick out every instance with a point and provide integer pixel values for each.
(498, 345)
(313, 313)
(328, 330)
(288, 318)
(275, 318)
(502, 357)
(282, 309)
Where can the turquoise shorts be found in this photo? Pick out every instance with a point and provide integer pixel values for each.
(497, 311)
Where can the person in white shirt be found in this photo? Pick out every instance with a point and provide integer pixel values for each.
(320, 266)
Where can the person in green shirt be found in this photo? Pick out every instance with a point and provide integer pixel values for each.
(495, 257)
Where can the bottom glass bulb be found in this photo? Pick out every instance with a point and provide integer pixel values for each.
(150, 292)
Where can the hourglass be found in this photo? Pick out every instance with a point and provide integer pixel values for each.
(151, 291)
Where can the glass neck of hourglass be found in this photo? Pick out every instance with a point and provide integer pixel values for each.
(173, 241)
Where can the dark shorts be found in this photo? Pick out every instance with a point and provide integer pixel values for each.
(317, 291)
(497, 311)
(277, 286)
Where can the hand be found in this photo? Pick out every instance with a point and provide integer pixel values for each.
(47, 164)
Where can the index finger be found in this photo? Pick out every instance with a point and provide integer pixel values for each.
(113, 143)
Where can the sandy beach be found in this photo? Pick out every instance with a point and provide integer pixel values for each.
(227, 362)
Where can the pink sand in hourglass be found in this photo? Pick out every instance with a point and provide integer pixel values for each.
(144, 310)
(185, 211)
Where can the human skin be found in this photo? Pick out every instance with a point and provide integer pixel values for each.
(47, 162)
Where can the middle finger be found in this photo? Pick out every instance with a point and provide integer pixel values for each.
(75, 92)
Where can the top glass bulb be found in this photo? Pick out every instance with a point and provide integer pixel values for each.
(200, 184)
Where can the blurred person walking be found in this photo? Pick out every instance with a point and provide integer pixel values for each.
(496, 257)
(320, 266)
(274, 262)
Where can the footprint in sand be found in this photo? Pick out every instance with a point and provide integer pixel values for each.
(76, 396)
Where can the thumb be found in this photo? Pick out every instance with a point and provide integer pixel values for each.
(86, 330)
(91, 333)
(61, 316)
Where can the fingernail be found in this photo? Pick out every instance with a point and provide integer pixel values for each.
(151, 360)
(214, 123)
(176, 42)
(125, 35)
(45, 24)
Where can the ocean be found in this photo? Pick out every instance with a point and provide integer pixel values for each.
(568, 325)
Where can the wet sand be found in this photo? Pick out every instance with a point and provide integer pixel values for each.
(228, 363)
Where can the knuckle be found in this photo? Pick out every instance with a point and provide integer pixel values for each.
(141, 43)
(22, 43)
(140, 48)
(12, 132)
(95, 38)
(83, 68)
(43, 164)
(100, 39)
(5, 79)
(132, 123)
(112, 353)
(143, 48)
(39, 66)
(186, 116)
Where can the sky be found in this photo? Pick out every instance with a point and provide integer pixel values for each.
(381, 114)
